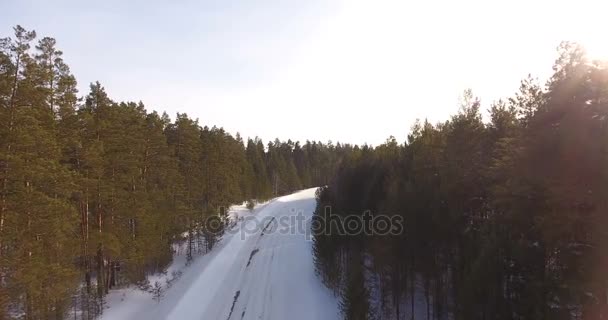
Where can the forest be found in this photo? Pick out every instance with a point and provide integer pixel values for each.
(94, 192)
(504, 208)
(505, 211)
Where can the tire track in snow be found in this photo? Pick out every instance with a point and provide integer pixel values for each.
(251, 255)
(236, 297)
(263, 275)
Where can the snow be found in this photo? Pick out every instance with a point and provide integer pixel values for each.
(264, 273)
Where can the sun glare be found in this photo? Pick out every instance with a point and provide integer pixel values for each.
(597, 49)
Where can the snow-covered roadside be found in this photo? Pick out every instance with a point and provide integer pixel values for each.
(133, 303)
(255, 275)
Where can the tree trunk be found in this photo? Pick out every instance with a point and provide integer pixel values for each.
(101, 283)
(11, 121)
(412, 286)
(427, 297)
(100, 255)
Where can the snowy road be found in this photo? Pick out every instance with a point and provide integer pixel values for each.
(257, 273)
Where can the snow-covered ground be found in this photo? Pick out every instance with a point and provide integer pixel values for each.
(262, 270)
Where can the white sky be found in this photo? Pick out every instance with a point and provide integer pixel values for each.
(350, 71)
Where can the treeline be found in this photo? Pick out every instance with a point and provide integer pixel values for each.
(504, 219)
(94, 192)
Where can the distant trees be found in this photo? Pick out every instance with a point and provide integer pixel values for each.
(94, 192)
(503, 220)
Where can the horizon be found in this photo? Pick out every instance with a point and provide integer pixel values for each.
(275, 70)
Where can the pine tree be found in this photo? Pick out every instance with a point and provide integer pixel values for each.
(260, 180)
(354, 303)
(36, 189)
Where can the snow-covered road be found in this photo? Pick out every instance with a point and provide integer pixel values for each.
(256, 273)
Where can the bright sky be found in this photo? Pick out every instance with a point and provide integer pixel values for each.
(350, 71)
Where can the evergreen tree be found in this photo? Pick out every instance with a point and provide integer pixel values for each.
(503, 219)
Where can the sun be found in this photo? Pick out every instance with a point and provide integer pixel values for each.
(597, 49)
(587, 26)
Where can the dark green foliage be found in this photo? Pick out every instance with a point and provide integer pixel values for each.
(504, 220)
(94, 193)
(327, 248)
(354, 303)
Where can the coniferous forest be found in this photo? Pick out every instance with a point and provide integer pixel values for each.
(504, 209)
(503, 219)
(94, 192)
